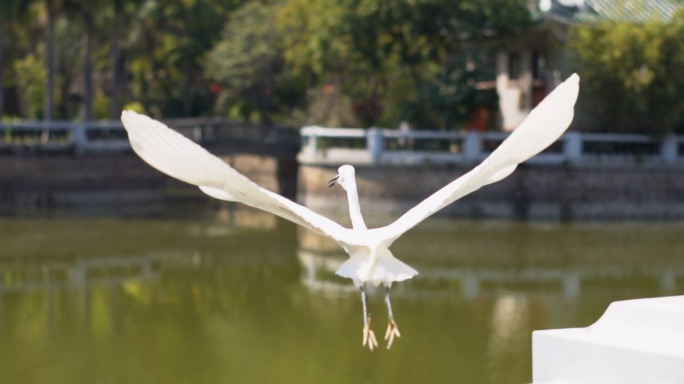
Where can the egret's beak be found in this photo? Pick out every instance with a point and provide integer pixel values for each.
(333, 181)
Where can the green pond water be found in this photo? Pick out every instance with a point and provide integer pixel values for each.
(252, 299)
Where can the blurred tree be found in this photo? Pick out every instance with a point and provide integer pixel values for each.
(34, 85)
(451, 95)
(68, 68)
(49, 59)
(4, 11)
(365, 46)
(52, 9)
(168, 44)
(89, 16)
(87, 8)
(60, 12)
(10, 10)
(631, 75)
(73, 21)
(29, 77)
(18, 41)
(117, 70)
(251, 79)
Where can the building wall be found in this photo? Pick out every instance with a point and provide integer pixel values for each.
(532, 192)
(515, 95)
(518, 96)
(118, 184)
(121, 184)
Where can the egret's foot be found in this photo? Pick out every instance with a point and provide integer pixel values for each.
(369, 337)
(392, 331)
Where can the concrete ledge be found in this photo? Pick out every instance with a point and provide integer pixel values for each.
(538, 192)
(635, 341)
(117, 184)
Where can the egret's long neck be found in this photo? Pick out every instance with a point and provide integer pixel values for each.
(354, 206)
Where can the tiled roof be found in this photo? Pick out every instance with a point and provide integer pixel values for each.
(637, 11)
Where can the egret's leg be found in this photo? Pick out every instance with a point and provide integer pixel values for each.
(368, 335)
(392, 329)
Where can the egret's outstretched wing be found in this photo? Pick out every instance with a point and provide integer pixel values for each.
(177, 156)
(541, 128)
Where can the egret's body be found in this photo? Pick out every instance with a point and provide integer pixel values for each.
(370, 260)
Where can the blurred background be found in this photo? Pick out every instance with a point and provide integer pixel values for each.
(111, 272)
(432, 64)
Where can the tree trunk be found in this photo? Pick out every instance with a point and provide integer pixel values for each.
(2, 83)
(87, 65)
(117, 64)
(49, 63)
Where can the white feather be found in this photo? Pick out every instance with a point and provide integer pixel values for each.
(544, 125)
(179, 157)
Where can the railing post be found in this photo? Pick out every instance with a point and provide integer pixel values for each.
(79, 137)
(196, 132)
(572, 146)
(472, 146)
(668, 148)
(375, 142)
(312, 143)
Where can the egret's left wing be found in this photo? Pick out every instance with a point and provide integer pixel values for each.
(177, 156)
(541, 128)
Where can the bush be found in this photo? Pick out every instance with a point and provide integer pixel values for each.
(631, 75)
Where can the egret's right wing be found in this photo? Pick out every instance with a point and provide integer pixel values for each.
(541, 128)
(177, 156)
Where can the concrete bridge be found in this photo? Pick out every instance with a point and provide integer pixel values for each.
(88, 167)
(583, 176)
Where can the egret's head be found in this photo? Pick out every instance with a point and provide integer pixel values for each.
(344, 177)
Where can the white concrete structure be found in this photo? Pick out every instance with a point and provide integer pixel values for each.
(635, 341)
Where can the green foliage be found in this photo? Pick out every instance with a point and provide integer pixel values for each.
(448, 98)
(30, 81)
(631, 75)
(334, 62)
(100, 104)
(68, 68)
(167, 44)
(366, 47)
(134, 106)
(253, 82)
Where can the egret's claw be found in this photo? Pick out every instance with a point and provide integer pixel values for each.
(392, 331)
(369, 337)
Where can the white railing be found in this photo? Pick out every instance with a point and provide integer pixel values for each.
(55, 136)
(359, 146)
(110, 136)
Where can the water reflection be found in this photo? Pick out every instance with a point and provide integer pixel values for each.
(253, 300)
(548, 259)
(51, 275)
(509, 323)
(512, 278)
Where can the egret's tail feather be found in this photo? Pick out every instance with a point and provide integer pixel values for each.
(394, 268)
(387, 269)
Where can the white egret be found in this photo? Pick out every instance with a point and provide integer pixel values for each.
(370, 260)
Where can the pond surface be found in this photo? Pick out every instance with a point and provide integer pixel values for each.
(252, 299)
